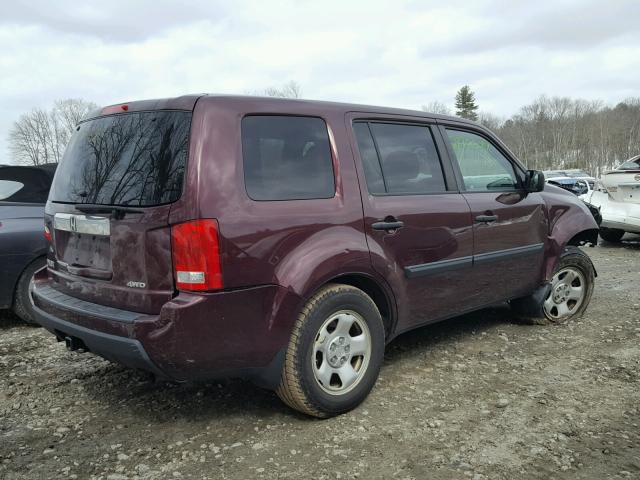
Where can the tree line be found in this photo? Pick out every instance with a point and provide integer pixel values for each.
(562, 133)
(555, 133)
(549, 133)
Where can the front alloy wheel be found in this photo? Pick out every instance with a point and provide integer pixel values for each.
(567, 293)
(571, 287)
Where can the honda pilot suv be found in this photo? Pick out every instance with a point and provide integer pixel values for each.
(289, 241)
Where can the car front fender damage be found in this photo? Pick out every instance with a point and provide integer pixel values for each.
(570, 223)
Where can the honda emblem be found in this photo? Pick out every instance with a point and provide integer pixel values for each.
(73, 223)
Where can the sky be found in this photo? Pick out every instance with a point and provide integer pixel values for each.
(391, 53)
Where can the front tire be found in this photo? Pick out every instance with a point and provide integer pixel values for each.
(22, 305)
(335, 352)
(613, 235)
(571, 287)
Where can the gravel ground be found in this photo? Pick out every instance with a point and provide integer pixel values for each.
(477, 397)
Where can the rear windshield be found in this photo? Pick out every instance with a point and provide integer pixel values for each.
(21, 184)
(630, 165)
(8, 190)
(135, 159)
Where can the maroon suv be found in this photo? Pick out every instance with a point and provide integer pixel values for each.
(289, 241)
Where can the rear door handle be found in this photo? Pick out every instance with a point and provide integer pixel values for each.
(486, 218)
(387, 225)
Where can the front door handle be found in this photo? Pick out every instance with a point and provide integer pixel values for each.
(486, 218)
(388, 225)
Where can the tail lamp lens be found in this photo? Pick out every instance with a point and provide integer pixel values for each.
(196, 255)
(47, 234)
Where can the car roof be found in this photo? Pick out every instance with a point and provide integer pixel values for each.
(187, 102)
(25, 170)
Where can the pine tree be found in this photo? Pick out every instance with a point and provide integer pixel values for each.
(466, 103)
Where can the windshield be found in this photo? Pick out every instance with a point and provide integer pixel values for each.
(135, 159)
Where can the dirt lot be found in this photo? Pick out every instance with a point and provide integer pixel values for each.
(476, 397)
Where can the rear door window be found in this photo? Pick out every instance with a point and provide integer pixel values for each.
(370, 160)
(136, 159)
(287, 158)
(482, 166)
(399, 159)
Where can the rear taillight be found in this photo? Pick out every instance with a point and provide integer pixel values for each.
(47, 234)
(196, 255)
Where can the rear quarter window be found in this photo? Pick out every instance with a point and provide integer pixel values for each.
(287, 158)
(8, 189)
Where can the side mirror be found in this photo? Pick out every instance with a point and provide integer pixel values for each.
(534, 181)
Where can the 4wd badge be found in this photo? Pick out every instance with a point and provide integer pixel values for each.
(136, 284)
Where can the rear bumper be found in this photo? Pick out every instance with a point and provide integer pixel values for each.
(126, 351)
(627, 226)
(195, 336)
(621, 215)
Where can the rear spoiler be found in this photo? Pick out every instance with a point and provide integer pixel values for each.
(185, 102)
(635, 170)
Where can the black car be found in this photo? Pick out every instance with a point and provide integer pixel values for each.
(23, 246)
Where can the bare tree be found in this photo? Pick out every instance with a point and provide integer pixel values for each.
(437, 108)
(290, 89)
(41, 136)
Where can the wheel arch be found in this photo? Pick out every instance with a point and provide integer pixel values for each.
(570, 223)
(381, 296)
(584, 237)
(21, 272)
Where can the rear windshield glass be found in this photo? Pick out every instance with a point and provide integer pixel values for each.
(22, 184)
(630, 165)
(135, 159)
(8, 189)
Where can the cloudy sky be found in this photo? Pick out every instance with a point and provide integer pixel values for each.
(395, 53)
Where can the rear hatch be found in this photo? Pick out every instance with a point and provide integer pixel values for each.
(623, 186)
(109, 206)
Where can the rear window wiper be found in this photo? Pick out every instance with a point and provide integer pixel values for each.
(118, 211)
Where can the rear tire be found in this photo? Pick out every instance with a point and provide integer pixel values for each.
(335, 352)
(22, 305)
(613, 235)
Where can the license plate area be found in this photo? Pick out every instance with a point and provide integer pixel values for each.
(83, 244)
(630, 193)
(84, 250)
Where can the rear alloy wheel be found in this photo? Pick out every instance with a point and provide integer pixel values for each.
(335, 352)
(613, 235)
(341, 352)
(571, 287)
